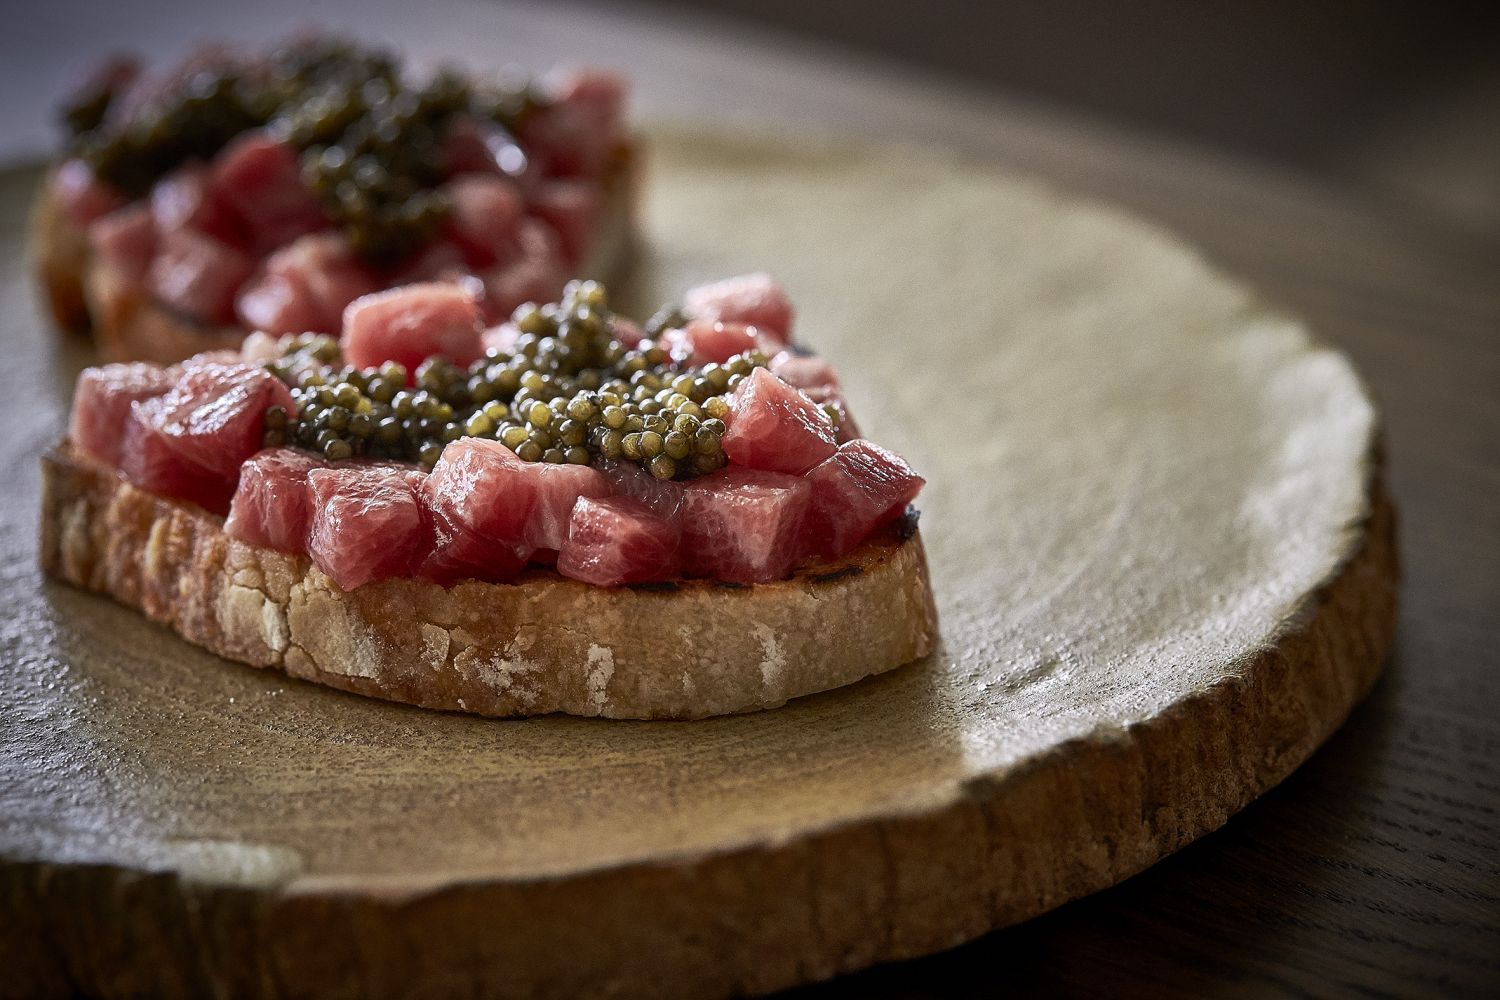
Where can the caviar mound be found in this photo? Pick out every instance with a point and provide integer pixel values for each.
(246, 191)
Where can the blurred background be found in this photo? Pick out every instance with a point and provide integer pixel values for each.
(1401, 97)
(1396, 99)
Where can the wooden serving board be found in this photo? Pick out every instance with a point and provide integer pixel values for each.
(1163, 560)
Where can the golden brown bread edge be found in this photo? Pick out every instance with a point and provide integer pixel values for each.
(542, 644)
(127, 326)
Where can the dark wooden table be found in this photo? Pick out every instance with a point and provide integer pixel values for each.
(1375, 869)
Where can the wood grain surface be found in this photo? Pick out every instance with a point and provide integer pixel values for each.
(1164, 567)
(1371, 871)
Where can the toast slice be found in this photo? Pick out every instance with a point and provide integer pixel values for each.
(681, 650)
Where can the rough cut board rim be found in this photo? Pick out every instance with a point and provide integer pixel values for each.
(930, 871)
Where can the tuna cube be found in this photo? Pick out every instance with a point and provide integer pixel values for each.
(743, 525)
(629, 479)
(186, 199)
(190, 442)
(123, 242)
(259, 178)
(101, 404)
(702, 341)
(571, 207)
(757, 300)
(478, 508)
(305, 286)
(575, 133)
(773, 426)
(409, 324)
(197, 276)
(556, 488)
(616, 540)
(273, 504)
(368, 522)
(486, 211)
(859, 488)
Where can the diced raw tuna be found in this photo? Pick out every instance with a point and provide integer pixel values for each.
(536, 274)
(101, 404)
(258, 176)
(478, 507)
(577, 132)
(808, 372)
(191, 441)
(816, 379)
(557, 489)
(197, 276)
(368, 522)
(457, 555)
(616, 540)
(474, 489)
(757, 300)
(486, 148)
(571, 208)
(488, 504)
(702, 341)
(411, 323)
(859, 488)
(487, 210)
(743, 525)
(187, 199)
(278, 303)
(273, 505)
(149, 461)
(305, 286)
(628, 479)
(123, 241)
(82, 196)
(773, 426)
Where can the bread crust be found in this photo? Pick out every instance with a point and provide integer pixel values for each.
(542, 644)
(127, 326)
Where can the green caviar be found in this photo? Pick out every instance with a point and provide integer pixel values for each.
(369, 142)
(569, 392)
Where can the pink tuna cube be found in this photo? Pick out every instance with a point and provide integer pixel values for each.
(273, 505)
(368, 522)
(191, 441)
(617, 540)
(197, 276)
(773, 426)
(859, 488)
(412, 323)
(101, 404)
(743, 525)
(754, 299)
(259, 178)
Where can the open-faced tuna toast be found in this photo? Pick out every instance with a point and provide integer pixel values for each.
(240, 192)
(564, 512)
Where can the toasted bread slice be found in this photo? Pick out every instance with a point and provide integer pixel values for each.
(543, 644)
(129, 327)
